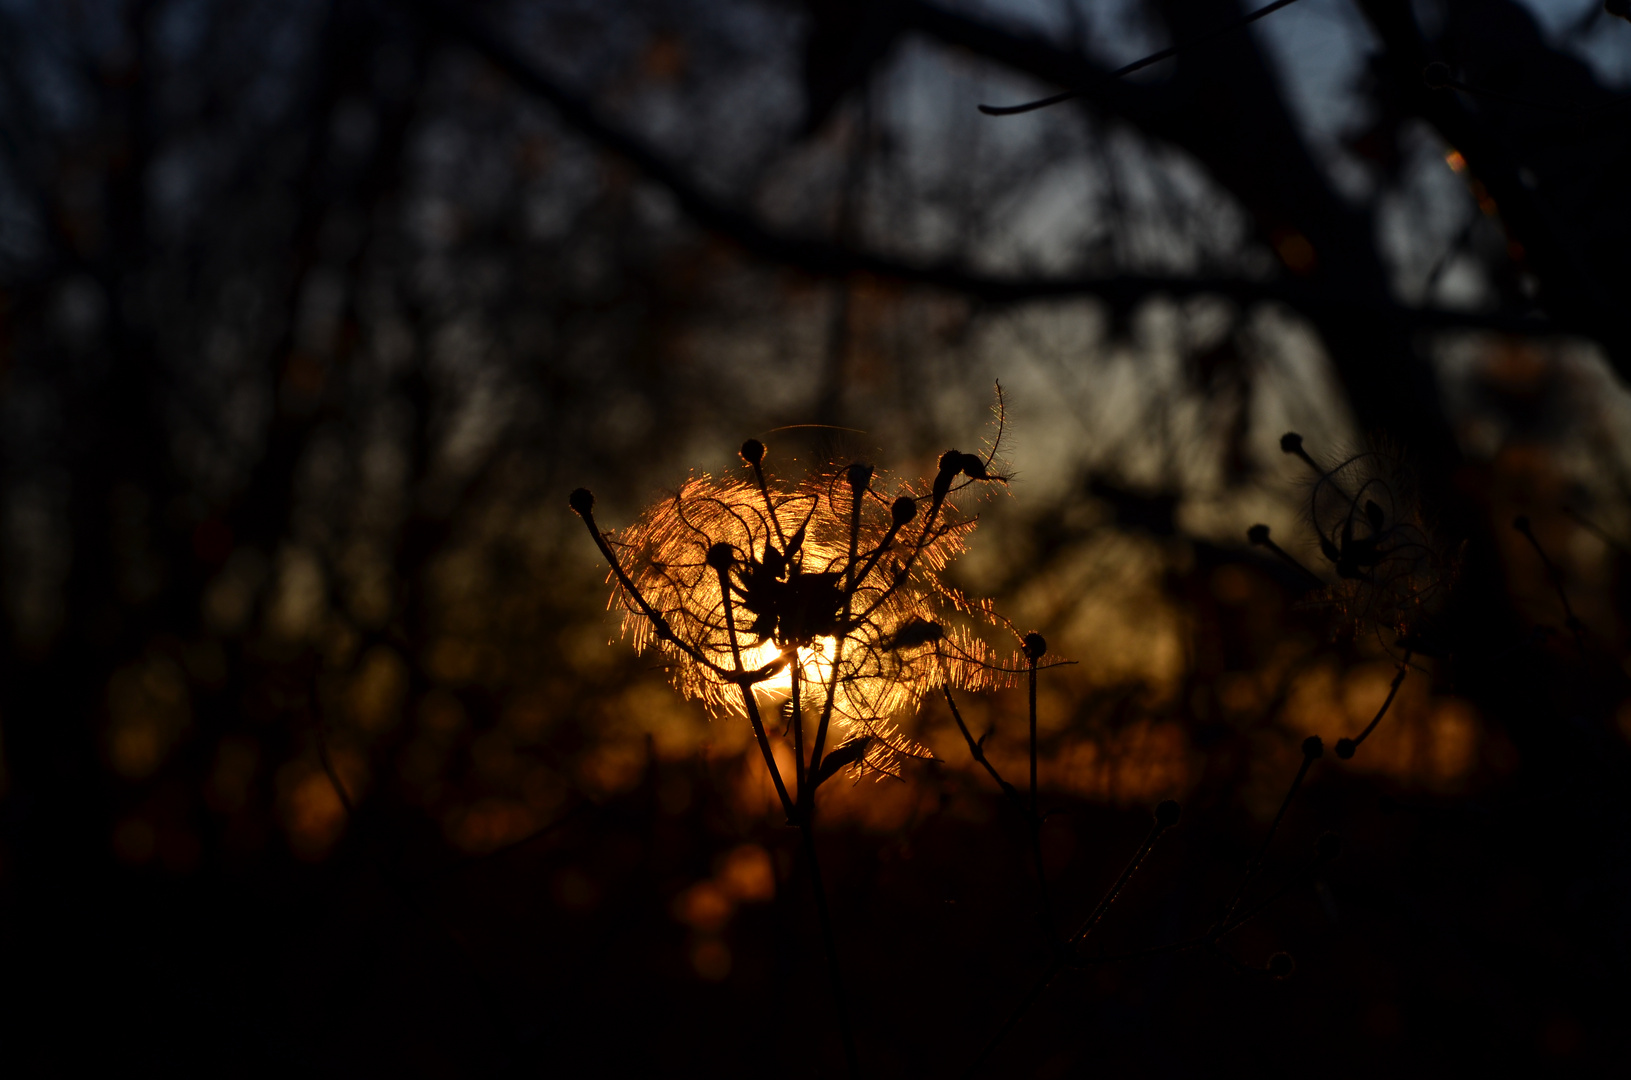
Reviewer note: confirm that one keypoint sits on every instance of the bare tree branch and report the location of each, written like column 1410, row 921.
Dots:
column 822, row 258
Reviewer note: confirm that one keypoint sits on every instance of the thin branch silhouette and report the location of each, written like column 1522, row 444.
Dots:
column 827, row 259
column 1554, row 574
column 1166, row 816
column 1141, row 64
column 1346, row 747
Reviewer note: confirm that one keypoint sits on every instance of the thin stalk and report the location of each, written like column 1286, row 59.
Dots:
column 1063, row 957
column 770, row 507
column 1033, row 737
column 1570, row 620
column 1312, row 751
column 1036, row 819
column 798, row 736
column 1033, row 823
column 1121, row 882
column 1346, row 747
column 878, row 552
column 1259, row 535
column 659, row 624
column 1273, row 897
column 1210, row 938
column 750, row 703
column 936, row 502
column 829, row 943
column 978, row 751
column 819, row 744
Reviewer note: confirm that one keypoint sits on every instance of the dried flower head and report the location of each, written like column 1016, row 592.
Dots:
column 1370, row 531
column 826, row 595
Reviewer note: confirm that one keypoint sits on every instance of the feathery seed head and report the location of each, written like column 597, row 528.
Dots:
column 841, row 595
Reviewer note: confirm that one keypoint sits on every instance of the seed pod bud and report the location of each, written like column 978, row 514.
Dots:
column 1281, row 965
column 917, row 632
column 1329, row 846
column 753, row 451
column 582, row 500
column 973, row 467
column 721, row 555
column 1436, row 75
column 1035, row 645
column 1290, row 442
column 1313, row 748
column 1258, row 534
column 859, row 476
column 1166, row 813
column 1618, row 8
column 902, row 510
column 951, row 463
column 1346, row 748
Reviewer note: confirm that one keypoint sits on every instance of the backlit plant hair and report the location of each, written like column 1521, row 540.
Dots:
column 833, row 584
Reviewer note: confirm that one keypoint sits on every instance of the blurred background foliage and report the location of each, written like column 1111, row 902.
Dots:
column 312, row 311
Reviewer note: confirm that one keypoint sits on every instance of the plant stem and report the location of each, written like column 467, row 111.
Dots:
column 978, row 752
column 829, row 941
column 1398, row 680
column 1032, row 822
column 1063, row 957
column 798, row 735
column 1313, row 749
column 750, row 704
column 1034, row 819
column 1555, row 575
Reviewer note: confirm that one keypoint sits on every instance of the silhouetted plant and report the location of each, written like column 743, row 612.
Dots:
column 1554, row 575
column 825, row 594
column 1389, row 575
column 1368, row 523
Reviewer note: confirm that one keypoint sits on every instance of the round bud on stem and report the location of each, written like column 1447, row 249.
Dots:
column 1035, row 646
column 917, row 632
column 1290, row 442
column 1328, row 846
column 859, row 476
column 973, row 467
column 753, row 451
column 1346, row 748
column 1436, row 75
column 1258, row 535
column 902, row 510
column 1313, row 748
column 1618, row 8
column 1166, row 813
column 951, row 463
column 1281, row 965
column 582, row 501
column 721, row 555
